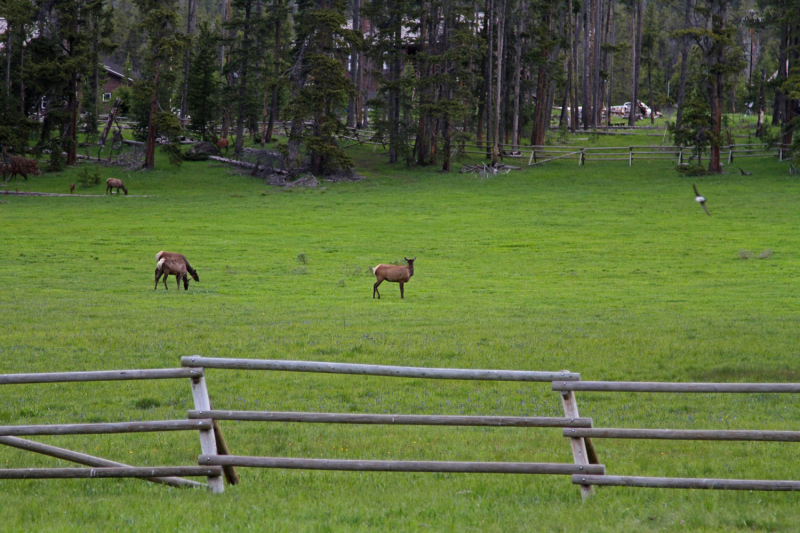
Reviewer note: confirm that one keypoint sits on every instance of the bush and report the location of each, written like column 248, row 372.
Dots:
column 87, row 179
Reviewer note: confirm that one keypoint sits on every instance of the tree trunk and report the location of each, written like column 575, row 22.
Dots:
column 587, row 35
column 273, row 113
column 637, row 59
column 760, row 124
column 150, row 147
column 611, row 64
column 244, row 43
column 684, row 65
column 573, row 117
column 517, row 80
column 72, row 156
column 501, row 18
column 352, row 102
column 190, row 23
column 490, row 78
column 780, row 98
column 8, row 58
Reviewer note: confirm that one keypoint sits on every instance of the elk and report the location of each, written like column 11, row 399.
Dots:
column 170, row 263
column 112, row 183
column 72, row 188
column 223, row 143
column 394, row 273
column 18, row 165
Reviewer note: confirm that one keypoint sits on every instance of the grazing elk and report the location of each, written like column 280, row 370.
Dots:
column 223, row 143
column 18, row 165
column 394, row 273
column 171, row 263
column 112, row 183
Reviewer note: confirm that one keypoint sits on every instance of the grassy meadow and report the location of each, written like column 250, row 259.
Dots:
column 610, row 271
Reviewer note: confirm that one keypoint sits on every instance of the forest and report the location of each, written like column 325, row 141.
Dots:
column 425, row 76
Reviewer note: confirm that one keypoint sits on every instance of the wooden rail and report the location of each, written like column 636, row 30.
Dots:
column 106, row 427
column 375, row 370
column 686, row 483
column 88, row 460
column 103, row 375
column 110, row 472
column 652, row 386
column 685, row 434
column 412, row 420
column 399, row 466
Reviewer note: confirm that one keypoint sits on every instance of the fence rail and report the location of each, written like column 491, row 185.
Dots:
column 654, row 386
column 685, row 434
column 409, row 420
column 375, row 370
column 109, row 472
column 400, row 466
column 686, row 483
column 103, row 375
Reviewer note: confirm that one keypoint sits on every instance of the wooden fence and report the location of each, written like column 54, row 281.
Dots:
column 216, row 460
column 569, row 388
column 583, row 454
column 103, row 468
column 538, row 155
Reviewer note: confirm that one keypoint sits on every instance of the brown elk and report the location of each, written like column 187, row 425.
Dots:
column 112, row 183
column 72, row 188
column 170, row 263
column 223, row 143
column 394, row 273
column 18, row 165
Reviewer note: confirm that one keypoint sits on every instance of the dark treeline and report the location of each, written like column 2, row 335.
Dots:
column 432, row 78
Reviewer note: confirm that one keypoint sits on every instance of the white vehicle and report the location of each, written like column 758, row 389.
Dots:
column 644, row 111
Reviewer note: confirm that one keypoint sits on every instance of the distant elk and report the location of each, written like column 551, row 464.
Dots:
column 223, row 143
column 174, row 264
column 112, row 183
column 394, row 273
column 18, row 165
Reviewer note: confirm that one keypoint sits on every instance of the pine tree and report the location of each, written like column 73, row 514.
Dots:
column 165, row 42
column 319, row 87
column 203, row 86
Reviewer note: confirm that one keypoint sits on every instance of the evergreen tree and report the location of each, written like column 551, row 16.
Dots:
column 319, row 87
column 165, row 42
column 204, row 83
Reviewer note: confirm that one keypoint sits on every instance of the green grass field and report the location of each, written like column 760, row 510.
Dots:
column 606, row 270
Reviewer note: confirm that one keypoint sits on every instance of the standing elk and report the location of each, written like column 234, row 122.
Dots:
column 112, row 183
column 223, row 143
column 170, row 263
column 17, row 165
column 394, row 273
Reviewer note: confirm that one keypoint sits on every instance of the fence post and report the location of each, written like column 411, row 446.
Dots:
column 730, row 155
column 680, row 155
column 630, row 157
column 582, row 159
column 208, row 441
column 579, row 445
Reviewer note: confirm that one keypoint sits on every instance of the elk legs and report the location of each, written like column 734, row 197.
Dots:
column 375, row 290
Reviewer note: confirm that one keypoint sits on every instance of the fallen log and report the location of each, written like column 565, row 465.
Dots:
column 243, row 164
column 31, row 193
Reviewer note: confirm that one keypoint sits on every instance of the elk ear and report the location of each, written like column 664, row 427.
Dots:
column 406, row 258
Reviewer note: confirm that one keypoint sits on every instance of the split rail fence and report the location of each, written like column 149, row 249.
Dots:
column 538, row 155
column 216, row 461
column 103, row 468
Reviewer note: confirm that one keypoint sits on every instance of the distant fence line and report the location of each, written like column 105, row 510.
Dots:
column 217, row 462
